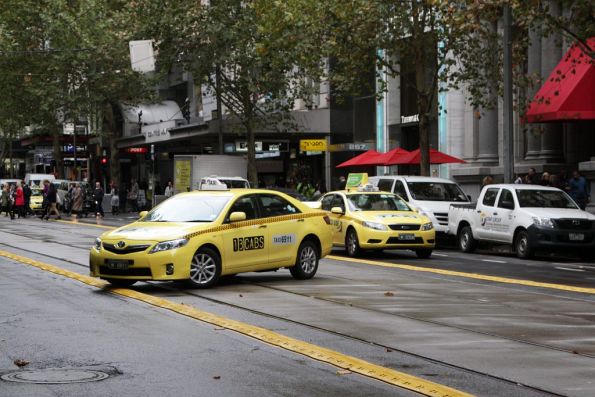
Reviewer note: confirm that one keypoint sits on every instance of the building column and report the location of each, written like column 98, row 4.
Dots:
column 551, row 54
column 534, row 71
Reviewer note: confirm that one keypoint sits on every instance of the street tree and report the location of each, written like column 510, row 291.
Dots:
column 234, row 49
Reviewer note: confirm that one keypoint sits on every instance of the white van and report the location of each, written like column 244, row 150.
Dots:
column 215, row 182
column 37, row 179
column 431, row 196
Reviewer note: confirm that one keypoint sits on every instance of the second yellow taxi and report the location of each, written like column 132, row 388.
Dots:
column 364, row 220
column 203, row 235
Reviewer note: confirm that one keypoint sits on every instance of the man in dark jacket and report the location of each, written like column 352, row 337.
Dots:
column 27, row 193
column 98, row 199
column 52, row 198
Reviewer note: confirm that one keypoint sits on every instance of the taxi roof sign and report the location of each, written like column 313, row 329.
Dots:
column 356, row 180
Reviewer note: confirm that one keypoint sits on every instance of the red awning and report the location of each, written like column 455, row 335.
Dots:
column 366, row 158
column 436, row 157
column 393, row 156
column 569, row 91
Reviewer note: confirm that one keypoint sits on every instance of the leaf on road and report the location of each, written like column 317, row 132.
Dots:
column 21, row 363
column 217, row 377
column 343, row 372
column 388, row 293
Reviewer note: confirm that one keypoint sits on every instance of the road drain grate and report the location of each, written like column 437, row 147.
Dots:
column 55, row 376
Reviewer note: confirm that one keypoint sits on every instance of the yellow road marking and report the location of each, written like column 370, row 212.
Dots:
column 315, row 352
column 475, row 276
column 86, row 224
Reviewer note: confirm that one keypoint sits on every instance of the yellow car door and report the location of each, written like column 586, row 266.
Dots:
column 285, row 232
column 245, row 242
column 338, row 222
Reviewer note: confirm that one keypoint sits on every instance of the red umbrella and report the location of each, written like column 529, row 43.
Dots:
column 392, row 157
column 436, row 157
column 366, row 158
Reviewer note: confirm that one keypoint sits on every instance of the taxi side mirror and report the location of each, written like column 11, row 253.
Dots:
column 237, row 217
column 142, row 214
column 337, row 210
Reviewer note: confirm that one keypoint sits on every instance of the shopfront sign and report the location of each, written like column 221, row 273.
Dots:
column 349, row 147
column 312, row 145
column 182, row 177
column 242, row 146
column 157, row 132
column 136, row 150
column 410, row 119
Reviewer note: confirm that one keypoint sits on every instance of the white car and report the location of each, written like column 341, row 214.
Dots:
column 431, row 196
column 214, row 182
column 529, row 217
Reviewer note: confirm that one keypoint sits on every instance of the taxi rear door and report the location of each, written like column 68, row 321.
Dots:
column 337, row 220
column 285, row 231
column 245, row 242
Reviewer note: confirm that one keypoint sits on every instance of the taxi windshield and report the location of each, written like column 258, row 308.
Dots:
column 544, row 199
column 188, row 209
column 436, row 191
column 36, row 192
column 376, row 202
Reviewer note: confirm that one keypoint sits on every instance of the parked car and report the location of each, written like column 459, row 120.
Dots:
column 529, row 217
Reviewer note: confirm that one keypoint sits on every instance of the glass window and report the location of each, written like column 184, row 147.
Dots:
column 400, row 190
column 489, row 197
column 377, row 202
column 245, row 204
column 276, row 206
column 327, row 202
column 436, row 191
column 506, row 195
column 544, row 199
column 385, row 185
column 188, row 209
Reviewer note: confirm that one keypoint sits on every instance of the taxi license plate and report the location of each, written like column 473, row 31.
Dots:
column 117, row 264
column 576, row 236
column 407, row 236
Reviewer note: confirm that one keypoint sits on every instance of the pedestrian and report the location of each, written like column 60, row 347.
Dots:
column 169, row 190
column 27, row 193
column 98, row 199
column 77, row 200
column 52, row 199
column 532, row 177
column 487, row 180
column 555, row 181
column 545, row 179
column 115, row 200
column 4, row 200
column 579, row 189
column 141, row 198
column 19, row 201
column 519, row 179
column 132, row 196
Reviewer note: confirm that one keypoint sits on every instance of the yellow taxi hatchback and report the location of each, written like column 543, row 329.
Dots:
column 364, row 220
column 203, row 235
column 36, row 202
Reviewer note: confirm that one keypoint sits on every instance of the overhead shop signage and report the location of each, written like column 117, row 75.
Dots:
column 157, row 132
column 410, row 119
column 136, row 150
column 259, row 146
column 312, row 145
column 349, row 147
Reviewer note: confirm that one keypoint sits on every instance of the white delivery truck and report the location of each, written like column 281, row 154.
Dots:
column 191, row 171
column 529, row 217
column 432, row 197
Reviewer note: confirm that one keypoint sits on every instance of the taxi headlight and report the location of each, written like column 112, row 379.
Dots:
column 169, row 245
column 97, row 245
column 427, row 226
column 375, row 225
column 543, row 222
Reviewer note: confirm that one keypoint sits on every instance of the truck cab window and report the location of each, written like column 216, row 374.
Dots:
column 489, row 197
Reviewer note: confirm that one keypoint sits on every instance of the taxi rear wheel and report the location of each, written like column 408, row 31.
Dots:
column 352, row 243
column 306, row 262
column 122, row 283
column 205, row 268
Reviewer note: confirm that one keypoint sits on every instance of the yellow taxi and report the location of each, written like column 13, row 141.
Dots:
column 363, row 220
column 36, row 202
column 202, row 235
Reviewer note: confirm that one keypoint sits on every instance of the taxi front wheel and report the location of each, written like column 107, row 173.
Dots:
column 306, row 262
column 205, row 268
column 352, row 243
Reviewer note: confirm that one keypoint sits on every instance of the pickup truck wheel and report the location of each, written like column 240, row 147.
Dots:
column 352, row 243
column 423, row 253
column 522, row 246
column 466, row 241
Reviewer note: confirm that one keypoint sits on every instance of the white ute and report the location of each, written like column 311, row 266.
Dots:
column 528, row 217
column 431, row 196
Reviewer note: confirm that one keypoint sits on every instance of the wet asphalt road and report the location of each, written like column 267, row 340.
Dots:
column 481, row 337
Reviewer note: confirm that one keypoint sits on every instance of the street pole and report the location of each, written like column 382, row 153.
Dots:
column 508, row 133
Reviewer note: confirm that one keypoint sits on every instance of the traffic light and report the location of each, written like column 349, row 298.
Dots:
column 104, row 161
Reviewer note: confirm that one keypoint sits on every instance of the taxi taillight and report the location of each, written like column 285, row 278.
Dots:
column 327, row 219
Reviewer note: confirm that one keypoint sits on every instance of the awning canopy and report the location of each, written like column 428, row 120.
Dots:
column 392, row 157
column 569, row 91
column 366, row 158
column 436, row 157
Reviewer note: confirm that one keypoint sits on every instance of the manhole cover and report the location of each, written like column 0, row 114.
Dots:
column 55, row 376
